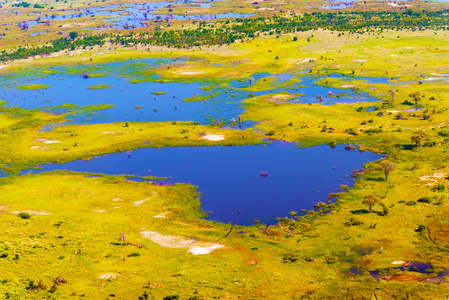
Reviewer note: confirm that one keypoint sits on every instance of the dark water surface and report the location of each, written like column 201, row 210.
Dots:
column 229, row 177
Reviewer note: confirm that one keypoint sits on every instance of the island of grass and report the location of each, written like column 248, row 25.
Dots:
column 100, row 87
column 36, row 86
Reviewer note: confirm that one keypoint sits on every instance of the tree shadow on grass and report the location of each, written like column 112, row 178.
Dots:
column 375, row 178
column 360, row 211
column 408, row 147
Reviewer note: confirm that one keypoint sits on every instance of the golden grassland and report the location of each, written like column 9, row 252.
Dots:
column 74, row 225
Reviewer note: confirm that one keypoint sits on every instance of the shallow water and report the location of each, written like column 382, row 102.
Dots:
column 116, row 15
column 229, row 177
column 223, row 103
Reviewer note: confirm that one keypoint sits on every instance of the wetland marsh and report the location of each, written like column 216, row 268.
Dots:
column 224, row 150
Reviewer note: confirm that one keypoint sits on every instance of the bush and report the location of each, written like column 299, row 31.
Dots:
column 439, row 187
column 24, row 215
column 134, row 254
column 289, row 258
column 420, row 228
column 384, row 208
column 353, row 222
column 171, row 297
column 410, row 203
column 425, row 200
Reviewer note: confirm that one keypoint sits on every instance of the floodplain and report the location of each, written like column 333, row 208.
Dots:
column 282, row 164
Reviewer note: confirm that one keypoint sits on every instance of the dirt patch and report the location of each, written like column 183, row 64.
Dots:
column 108, row 275
column 45, row 141
column 280, row 98
column 403, row 277
column 400, row 262
column 32, row 212
column 161, row 216
column 432, row 178
column 305, row 60
column 189, row 72
column 99, row 210
column 137, row 203
column 193, row 246
column 213, row 137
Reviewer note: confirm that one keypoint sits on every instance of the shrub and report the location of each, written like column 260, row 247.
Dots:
column 353, row 222
column 425, row 200
column 384, row 208
column 439, row 187
column 420, row 228
column 410, row 203
column 289, row 258
column 24, row 215
column 134, row 254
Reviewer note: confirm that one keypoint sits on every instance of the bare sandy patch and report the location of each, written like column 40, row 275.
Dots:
column 171, row 241
column 359, row 60
column 45, row 141
column 305, row 60
column 4, row 66
column 139, row 202
column 108, row 275
column 432, row 178
column 400, row 262
column 189, row 72
column 117, row 199
column 280, row 97
column 213, row 137
column 161, row 216
column 108, row 132
column 99, row 210
column 32, row 212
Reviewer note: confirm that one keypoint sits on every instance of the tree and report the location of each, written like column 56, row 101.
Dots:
column 371, row 200
column 392, row 92
column 416, row 96
column 73, row 35
column 417, row 137
column 387, row 166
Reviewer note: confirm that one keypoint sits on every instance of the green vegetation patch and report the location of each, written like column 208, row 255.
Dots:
column 33, row 86
column 100, row 87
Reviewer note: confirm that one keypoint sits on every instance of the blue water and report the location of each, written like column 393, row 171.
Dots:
column 229, row 177
column 223, row 102
column 139, row 13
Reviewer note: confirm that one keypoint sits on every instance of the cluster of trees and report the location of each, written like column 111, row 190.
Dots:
column 56, row 46
column 26, row 4
column 227, row 32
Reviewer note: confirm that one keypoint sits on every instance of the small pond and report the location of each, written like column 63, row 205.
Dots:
column 229, row 178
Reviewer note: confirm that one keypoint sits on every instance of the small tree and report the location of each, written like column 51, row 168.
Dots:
column 371, row 200
column 387, row 166
column 384, row 208
column 73, row 35
column 416, row 96
column 418, row 137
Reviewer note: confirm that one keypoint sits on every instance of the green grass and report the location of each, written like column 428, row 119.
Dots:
column 307, row 256
column 100, row 87
column 33, row 86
